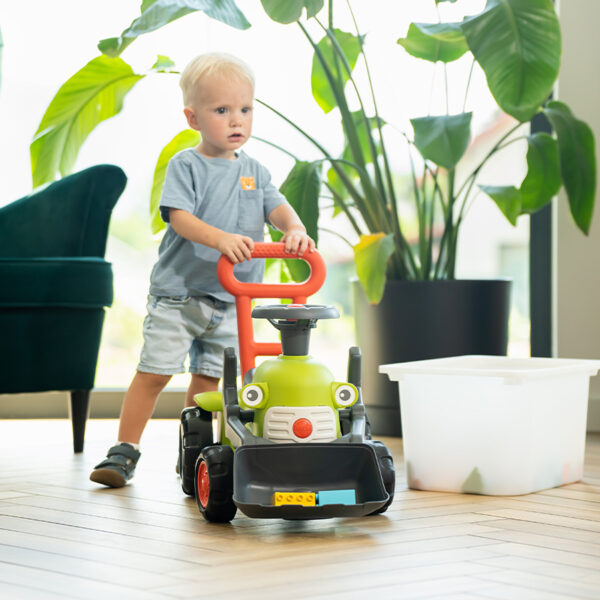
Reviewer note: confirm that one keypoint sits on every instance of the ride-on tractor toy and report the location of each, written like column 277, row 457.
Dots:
column 293, row 443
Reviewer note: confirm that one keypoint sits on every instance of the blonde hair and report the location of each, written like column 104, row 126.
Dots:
column 214, row 63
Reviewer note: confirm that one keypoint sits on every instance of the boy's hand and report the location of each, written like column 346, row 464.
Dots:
column 236, row 247
column 297, row 241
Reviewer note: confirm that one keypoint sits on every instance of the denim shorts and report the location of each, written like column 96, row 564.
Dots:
column 198, row 326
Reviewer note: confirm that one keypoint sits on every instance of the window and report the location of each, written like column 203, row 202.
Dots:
column 152, row 115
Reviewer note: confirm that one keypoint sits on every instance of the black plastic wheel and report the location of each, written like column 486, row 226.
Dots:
column 214, row 484
column 388, row 474
column 195, row 433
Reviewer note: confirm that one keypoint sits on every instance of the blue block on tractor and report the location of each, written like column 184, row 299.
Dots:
column 336, row 497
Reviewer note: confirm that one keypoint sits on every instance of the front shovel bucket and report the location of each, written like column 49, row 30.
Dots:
column 339, row 480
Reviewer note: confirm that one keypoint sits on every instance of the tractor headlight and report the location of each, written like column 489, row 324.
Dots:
column 344, row 394
column 254, row 395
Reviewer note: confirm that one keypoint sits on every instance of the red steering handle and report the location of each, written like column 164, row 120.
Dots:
column 273, row 290
column 244, row 292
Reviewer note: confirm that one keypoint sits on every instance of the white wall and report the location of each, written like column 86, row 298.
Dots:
column 577, row 265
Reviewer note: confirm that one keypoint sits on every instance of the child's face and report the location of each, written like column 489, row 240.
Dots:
column 222, row 113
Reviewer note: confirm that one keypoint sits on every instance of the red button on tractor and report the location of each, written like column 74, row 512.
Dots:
column 302, row 428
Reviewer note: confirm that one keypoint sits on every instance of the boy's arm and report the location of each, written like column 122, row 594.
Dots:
column 284, row 218
column 233, row 245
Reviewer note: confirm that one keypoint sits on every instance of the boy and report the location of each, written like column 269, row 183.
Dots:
column 215, row 201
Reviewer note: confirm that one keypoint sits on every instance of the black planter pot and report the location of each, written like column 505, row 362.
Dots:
column 418, row 320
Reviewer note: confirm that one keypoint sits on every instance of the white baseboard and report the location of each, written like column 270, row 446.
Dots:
column 106, row 404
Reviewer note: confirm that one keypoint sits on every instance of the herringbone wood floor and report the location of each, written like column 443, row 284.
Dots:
column 63, row 537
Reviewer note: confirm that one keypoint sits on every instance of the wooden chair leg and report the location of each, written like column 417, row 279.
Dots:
column 80, row 402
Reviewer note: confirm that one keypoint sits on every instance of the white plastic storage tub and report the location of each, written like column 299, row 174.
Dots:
column 492, row 424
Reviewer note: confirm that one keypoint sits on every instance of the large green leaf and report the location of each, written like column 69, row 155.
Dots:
column 542, row 181
column 188, row 138
column 288, row 11
column 158, row 13
column 93, row 94
column 321, row 88
column 371, row 256
column 518, row 45
column 163, row 64
column 540, row 185
column 442, row 140
column 301, row 189
column 507, row 198
column 577, row 155
column 146, row 5
column 435, row 41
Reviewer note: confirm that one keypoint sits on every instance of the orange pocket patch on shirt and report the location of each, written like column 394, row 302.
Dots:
column 248, row 183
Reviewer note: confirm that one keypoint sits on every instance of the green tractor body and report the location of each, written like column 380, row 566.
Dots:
column 292, row 443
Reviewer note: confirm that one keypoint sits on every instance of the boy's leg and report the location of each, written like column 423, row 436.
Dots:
column 199, row 384
column 206, row 353
column 138, row 405
column 167, row 339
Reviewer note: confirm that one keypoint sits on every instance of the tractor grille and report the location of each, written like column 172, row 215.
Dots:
column 279, row 422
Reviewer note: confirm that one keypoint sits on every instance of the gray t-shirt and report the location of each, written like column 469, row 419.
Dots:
column 236, row 196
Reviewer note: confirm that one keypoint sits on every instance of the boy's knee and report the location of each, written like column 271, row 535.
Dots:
column 207, row 378
column 202, row 383
column 154, row 380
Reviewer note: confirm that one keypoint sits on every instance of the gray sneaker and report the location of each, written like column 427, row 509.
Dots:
column 118, row 467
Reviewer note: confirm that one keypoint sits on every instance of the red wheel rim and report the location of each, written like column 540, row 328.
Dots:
column 203, row 484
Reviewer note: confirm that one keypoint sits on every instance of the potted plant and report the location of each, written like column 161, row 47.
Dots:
column 517, row 45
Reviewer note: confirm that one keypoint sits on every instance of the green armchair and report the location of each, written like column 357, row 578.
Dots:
column 55, row 286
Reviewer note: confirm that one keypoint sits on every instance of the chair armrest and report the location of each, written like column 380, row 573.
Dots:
column 76, row 282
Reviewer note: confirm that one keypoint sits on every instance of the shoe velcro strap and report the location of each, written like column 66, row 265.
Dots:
column 116, row 460
column 123, row 450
